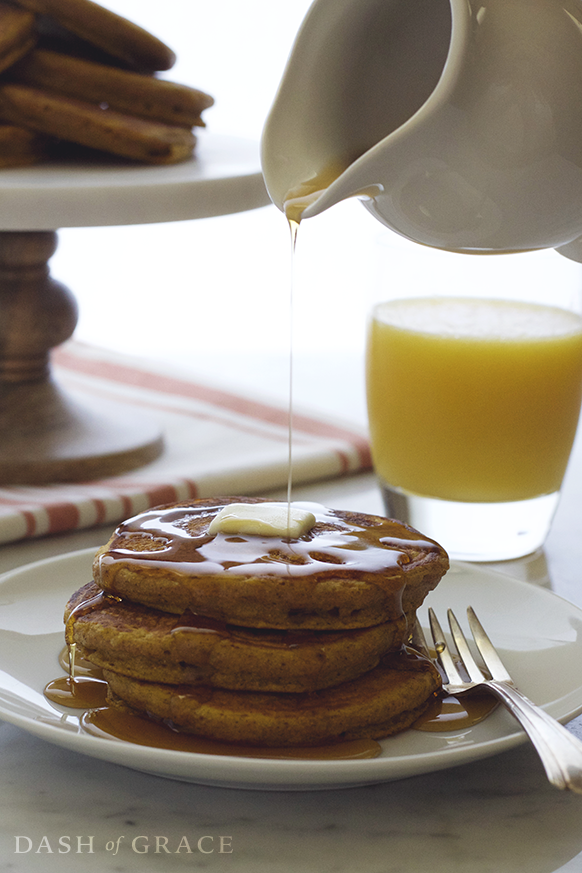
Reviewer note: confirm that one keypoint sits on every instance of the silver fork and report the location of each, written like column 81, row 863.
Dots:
column 559, row 750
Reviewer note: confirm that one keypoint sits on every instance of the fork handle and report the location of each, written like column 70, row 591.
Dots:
column 559, row 750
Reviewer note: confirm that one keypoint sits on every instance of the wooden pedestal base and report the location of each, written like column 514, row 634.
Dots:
column 46, row 434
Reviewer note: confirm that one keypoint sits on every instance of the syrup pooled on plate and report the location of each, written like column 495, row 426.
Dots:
column 77, row 692
column 73, row 690
column 111, row 722
column 448, row 713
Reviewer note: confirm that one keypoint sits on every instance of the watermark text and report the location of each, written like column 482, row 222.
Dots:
column 141, row 845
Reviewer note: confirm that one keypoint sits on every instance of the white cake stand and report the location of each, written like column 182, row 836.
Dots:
column 47, row 434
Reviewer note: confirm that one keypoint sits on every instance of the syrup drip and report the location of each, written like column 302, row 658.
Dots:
column 81, row 666
column 78, row 691
column 82, row 609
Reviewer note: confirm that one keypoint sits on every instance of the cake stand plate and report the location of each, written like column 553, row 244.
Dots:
column 46, row 434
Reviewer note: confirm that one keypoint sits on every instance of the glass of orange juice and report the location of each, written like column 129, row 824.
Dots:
column 473, row 404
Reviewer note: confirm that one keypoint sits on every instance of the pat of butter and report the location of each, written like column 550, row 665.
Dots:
column 266, row 519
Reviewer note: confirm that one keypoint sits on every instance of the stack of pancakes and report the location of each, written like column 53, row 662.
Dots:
column 262, row 640
column 72, row 71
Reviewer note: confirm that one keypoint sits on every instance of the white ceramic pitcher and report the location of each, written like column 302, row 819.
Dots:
column 458, row 121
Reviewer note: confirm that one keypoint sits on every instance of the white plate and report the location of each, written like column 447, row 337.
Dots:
column 536, row 632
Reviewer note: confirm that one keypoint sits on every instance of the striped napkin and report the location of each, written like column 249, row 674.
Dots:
column 216, row 442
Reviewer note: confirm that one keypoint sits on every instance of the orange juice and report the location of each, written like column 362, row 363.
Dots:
column 473, row 400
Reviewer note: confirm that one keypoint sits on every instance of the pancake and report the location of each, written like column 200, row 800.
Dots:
column 17, row 34
column 122, row 90
column 143, row 643
column 384, row 701
column 54, row 37
column 351, row 570
column 20, row 147
column 89, row 125
column 106, row 30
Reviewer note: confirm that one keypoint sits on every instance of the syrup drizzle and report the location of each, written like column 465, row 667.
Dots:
column 332, row 542
column 293, row 229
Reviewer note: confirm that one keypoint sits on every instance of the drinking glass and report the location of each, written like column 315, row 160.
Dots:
column 474, row 385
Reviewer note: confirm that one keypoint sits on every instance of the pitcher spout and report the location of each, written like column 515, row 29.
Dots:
column 459, row 120
column 325, row 189
column 359, row 70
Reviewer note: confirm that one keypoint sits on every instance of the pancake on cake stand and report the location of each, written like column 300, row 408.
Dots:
column 48, row 434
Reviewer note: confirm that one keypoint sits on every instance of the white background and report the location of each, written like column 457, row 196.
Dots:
column 214, row 294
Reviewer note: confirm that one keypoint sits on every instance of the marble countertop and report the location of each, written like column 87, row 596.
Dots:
column 500, row 815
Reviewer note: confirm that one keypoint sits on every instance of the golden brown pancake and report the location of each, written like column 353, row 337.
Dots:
column 108, row 31
column 54, row 37
column 351, row 570
column 20, row 147
column 382, row 702
column 127, row 92
column 84, row 123
column 147, row 644
column 17, row 34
